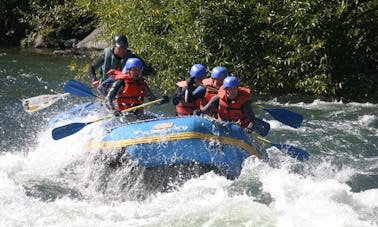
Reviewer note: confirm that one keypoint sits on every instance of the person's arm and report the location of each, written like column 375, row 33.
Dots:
column 102, row 88
column 211, row 105
column 116, row 87
column 93, row 67
column 177, row 96
column 194, row 93
column 248, row 112
column 150, row 95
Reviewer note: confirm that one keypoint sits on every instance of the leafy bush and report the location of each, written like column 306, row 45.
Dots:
column 57, row 20
column 11, row 30
column 324, row 48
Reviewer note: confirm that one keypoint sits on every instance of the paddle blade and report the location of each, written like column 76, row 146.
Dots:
column 77, row 88
column 67, row 130
column 40, row 102
column 287, row 117
column 261, row 127
column 292, row 151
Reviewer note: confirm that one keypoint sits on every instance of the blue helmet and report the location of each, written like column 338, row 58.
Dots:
column 198, row 71
column 230, row 81
column 219, row 72
column 132, row 62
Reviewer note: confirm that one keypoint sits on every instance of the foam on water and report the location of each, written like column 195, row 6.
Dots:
column 317, row 196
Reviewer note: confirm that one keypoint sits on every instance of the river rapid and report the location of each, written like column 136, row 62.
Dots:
column 59, row 183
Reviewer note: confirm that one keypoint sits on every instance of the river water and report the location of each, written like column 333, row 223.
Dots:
column 57, row 183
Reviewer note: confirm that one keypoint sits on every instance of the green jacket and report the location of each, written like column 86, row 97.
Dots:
column 113, row 62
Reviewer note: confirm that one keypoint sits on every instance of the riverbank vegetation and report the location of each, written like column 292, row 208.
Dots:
column 319, row 47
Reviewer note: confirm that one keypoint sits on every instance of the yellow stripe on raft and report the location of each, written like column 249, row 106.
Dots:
column 172, row 137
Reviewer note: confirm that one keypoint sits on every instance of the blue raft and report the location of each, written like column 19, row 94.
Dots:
column 176, row 140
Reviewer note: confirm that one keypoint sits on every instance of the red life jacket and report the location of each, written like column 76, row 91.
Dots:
column 210, row 93
column 183, row 108
column 208, row 82
column 133, row 92
column 233, row 112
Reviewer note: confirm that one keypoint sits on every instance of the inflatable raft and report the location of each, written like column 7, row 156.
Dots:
column 160, row 142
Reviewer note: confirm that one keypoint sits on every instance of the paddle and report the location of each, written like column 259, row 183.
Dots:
column 290, row 150
column 41, row 101
column 261, row 127
column 287, row 117
column 284, row 116
column 79, row 89
column 70, row 129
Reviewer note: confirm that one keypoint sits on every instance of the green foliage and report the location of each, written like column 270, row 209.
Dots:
column 165, row 33
column 274, row 47
column 351, row 36
column 11, row 30
column 57, row 20
column 325, row 48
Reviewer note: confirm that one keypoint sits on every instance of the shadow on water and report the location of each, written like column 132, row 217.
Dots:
column 48, row 190
column 251, row 186
column 119, row 178
column 362, row 182
column 104, row 176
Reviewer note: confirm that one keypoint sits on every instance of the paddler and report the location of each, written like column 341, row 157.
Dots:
column 113, row 58
column 182, row 98
column 128, row 89
column 232, row 104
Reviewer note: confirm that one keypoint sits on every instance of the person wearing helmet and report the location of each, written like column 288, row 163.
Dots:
column 128, row 89
column 232, row 104
column 112, row 58
column 212, row 85
column 218, row 74
column 183, row 99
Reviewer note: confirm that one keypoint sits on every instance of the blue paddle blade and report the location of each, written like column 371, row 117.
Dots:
column 292, row 151
column 261, row 127
column 287, row 117
column 67, row 130
column 77, row 88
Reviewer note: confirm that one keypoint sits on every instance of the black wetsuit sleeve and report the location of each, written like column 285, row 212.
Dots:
column 150, row 95
column 190, row 97
column 189, row 90
column 211, row 105
column 248, row 112
column 177, row 96
column 94, row 66
column 116, row 87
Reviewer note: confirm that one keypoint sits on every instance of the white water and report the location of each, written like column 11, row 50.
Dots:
column 281, row 193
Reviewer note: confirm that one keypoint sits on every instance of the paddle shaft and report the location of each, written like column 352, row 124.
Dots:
column 70, row 129
column 128, row 110
column 211, row 88
column 263, row 139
